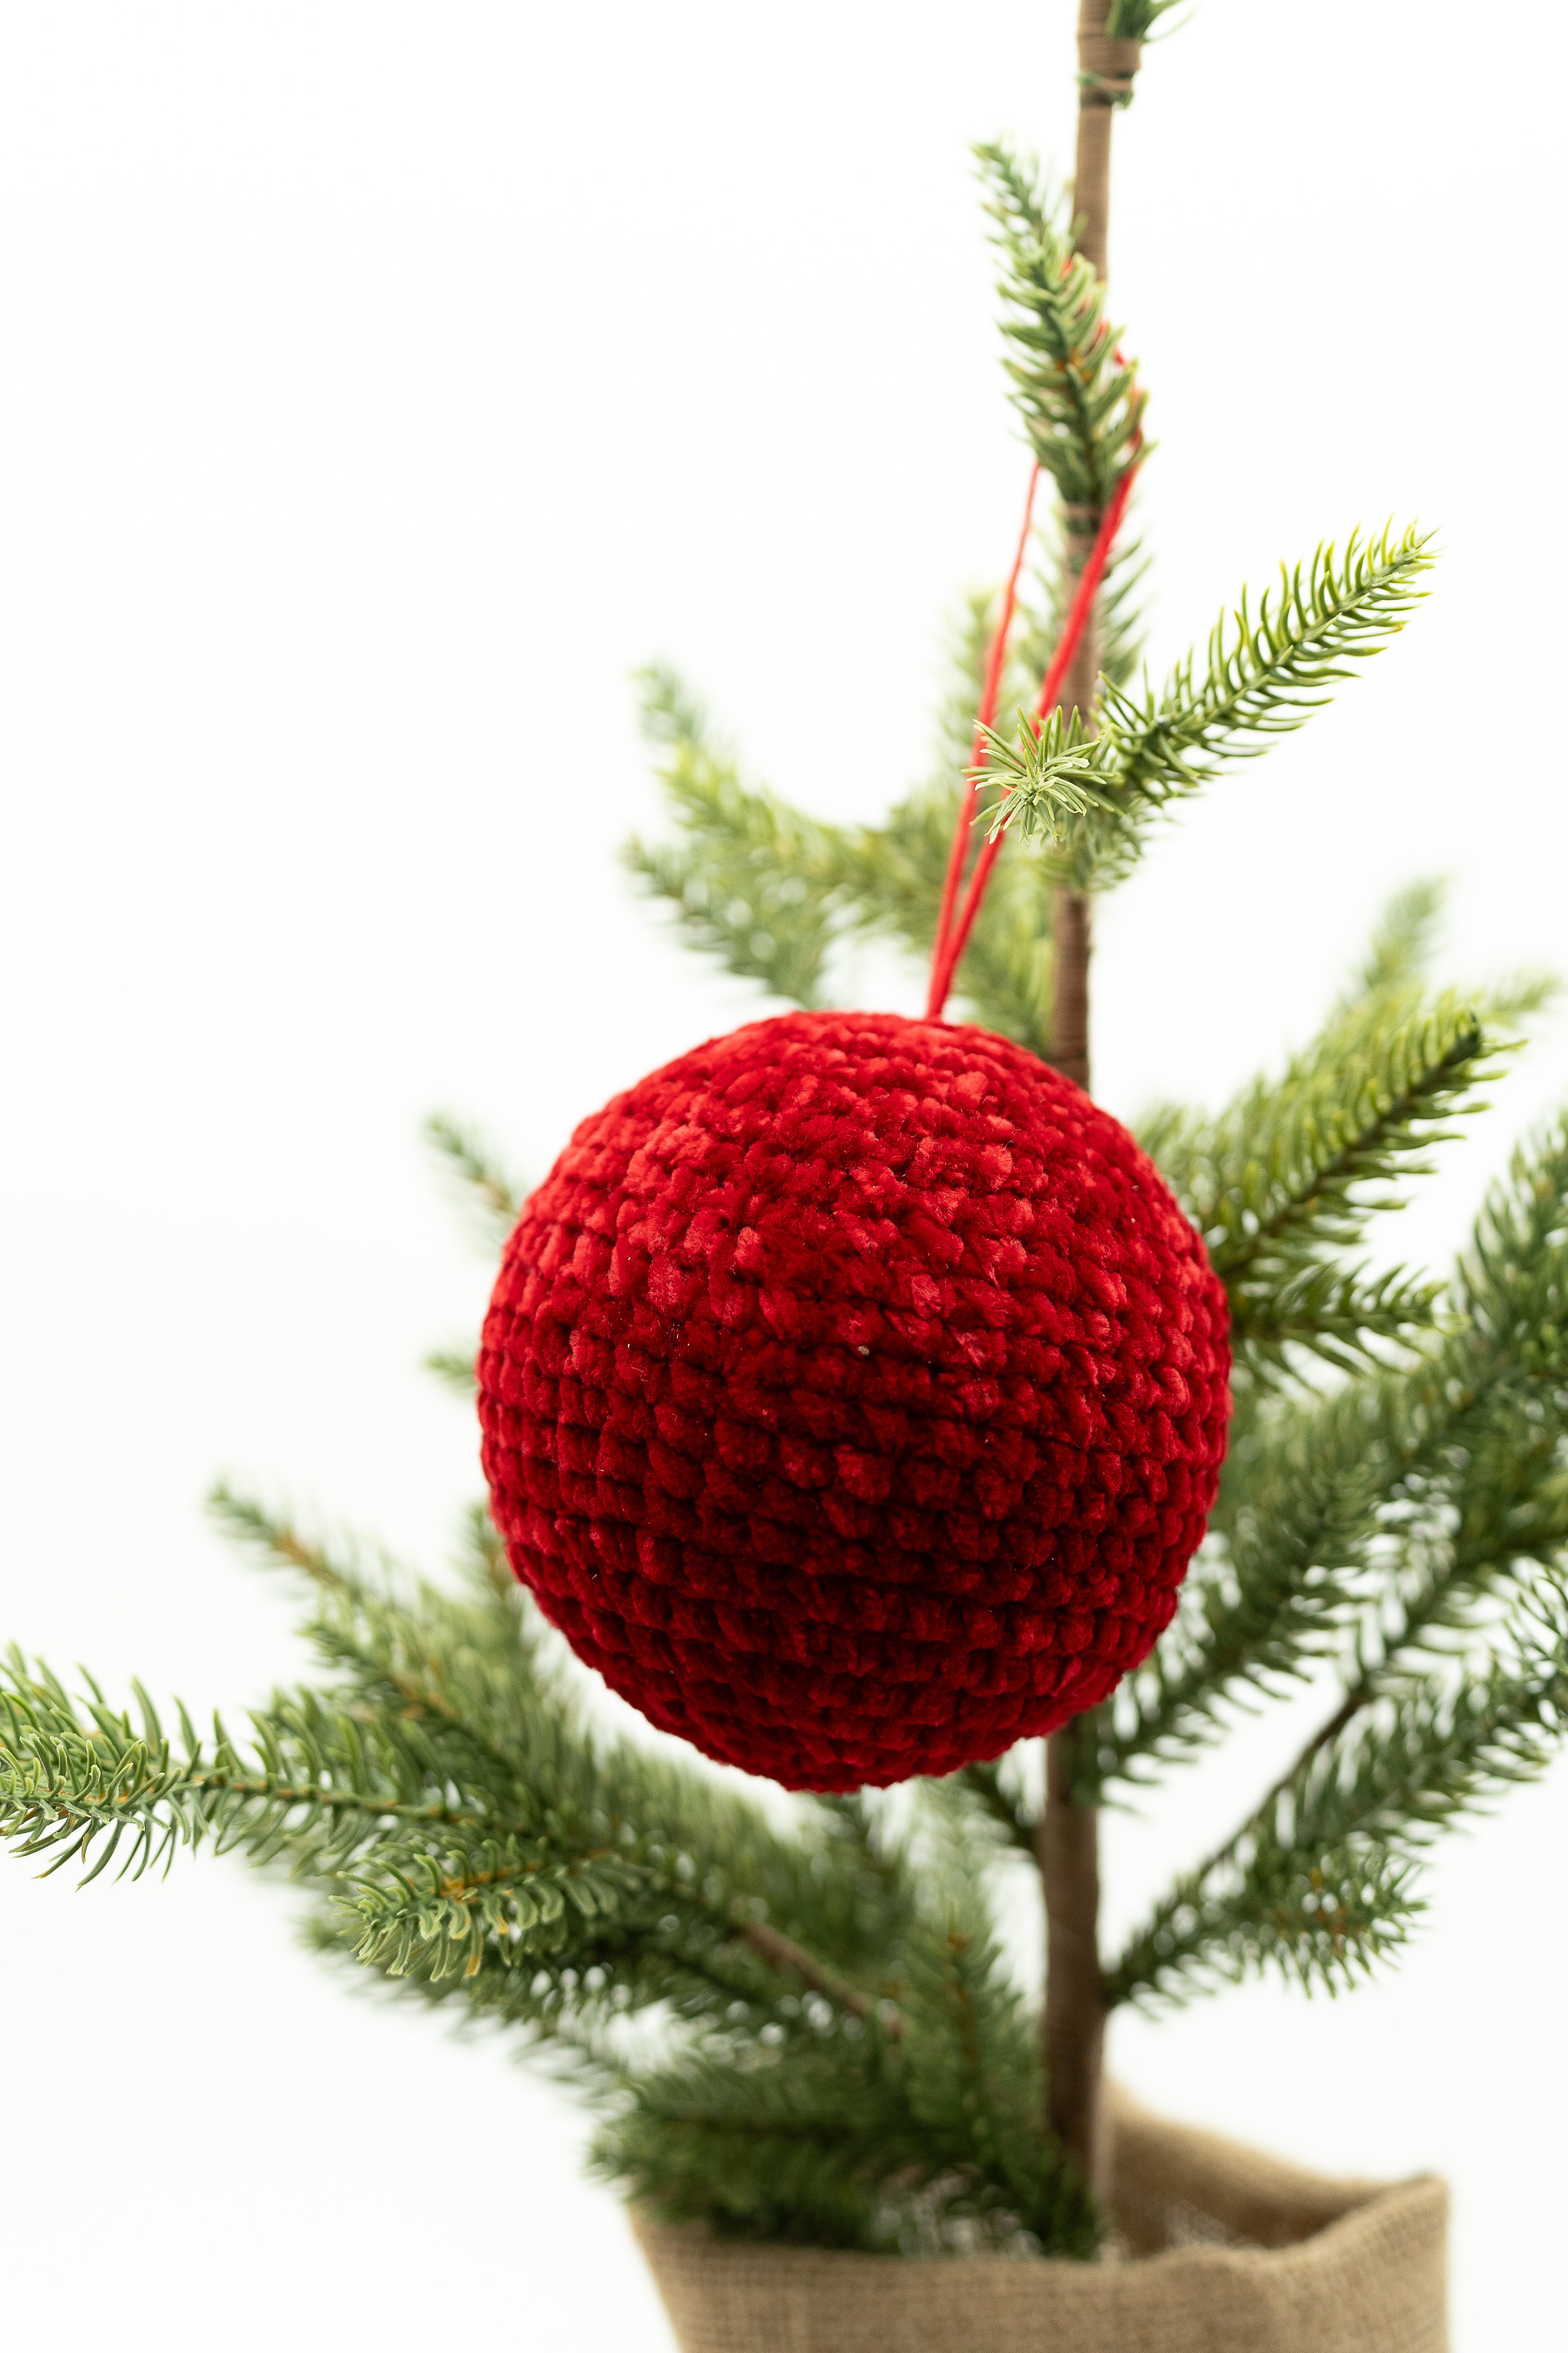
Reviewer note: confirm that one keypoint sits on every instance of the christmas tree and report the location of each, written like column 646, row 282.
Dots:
column 806, row 2028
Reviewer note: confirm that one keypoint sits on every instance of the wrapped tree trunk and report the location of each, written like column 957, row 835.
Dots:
column 1068, row 1841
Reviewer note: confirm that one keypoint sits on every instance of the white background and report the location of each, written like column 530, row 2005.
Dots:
column 377, row 385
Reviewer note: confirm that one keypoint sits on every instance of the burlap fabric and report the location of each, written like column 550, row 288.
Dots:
column 1232, row 2252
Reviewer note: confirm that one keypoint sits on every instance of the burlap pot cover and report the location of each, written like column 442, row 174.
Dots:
column 1233, row 2253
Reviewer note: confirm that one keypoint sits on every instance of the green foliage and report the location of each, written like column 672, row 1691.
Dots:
column 1321, row 1924
column 1318, row 1880
column 916, row 2130
column 1387, row 1522
column 1402, row 945
column 754, row 882
column 1376, row 1526
column 454, row 1368
column 492, row 1202
column 996, row 1791
column 1135, row 20
column 1266, row 672
column 1265, row 1606
column 1289, row 1176
column 1081, row 404
column 1284, row 1183
column 830, row 2049
column 1044, row 775
column 774, row 895
column 1004, row 977
column 491, row 1197
column 771, row 894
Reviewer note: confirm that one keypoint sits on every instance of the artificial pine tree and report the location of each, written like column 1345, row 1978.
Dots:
column 801, row 2026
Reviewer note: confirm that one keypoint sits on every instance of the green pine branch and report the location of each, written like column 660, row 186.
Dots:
column 1472, row 1444
column 1263, row 1608
column 455, row 1369
column 445, row 1757
column 317, row 1784
column 1043, row 775
column 1285, row 1181
column 493, row 1202
column 1400, row 952
column 820, row 883
column 1323, row 1919
column 971, row 2055
column 1382, row 1519
column 493, row 1197
column 1081, row 403
column 851, row 2063
column 1466, row 1451
column 993, row 1789
column 844, row 2132
column 1289, row 1176
column 1135, row 20
column 894, row 890
column 1267, row 669
column 1355, row 1812
column 423, row 1827
column 752, row 882
column 1335, row 1314
column 1512, row 1289
column 806, row 2146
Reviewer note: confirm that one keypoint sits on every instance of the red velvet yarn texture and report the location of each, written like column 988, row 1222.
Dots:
column 854, row 1393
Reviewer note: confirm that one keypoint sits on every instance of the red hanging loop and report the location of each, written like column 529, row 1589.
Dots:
column 991, row 687
column 952, row 939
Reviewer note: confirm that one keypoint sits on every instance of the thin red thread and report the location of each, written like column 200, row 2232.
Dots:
column 990, row 689
column 951, row 946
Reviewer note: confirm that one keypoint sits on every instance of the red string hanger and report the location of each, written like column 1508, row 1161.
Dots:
column 952, row 937
column 995, row 661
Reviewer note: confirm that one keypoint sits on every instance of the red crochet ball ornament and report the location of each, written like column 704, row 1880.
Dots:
column 854, row 1393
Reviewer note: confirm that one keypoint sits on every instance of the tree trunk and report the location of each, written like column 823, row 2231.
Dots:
column 1068, row 1841
column 1068, row 1853
column 1072, row 941
column 1106, row 69
column 1071, row 937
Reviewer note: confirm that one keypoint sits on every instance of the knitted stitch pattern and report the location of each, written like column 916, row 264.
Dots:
column 853, row 1395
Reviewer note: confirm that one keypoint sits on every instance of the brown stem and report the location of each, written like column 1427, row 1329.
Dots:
column 1072, row 941
column 1068, row 1847
column 1070, row 926
column 1106, row 69
column 1069, row 1851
